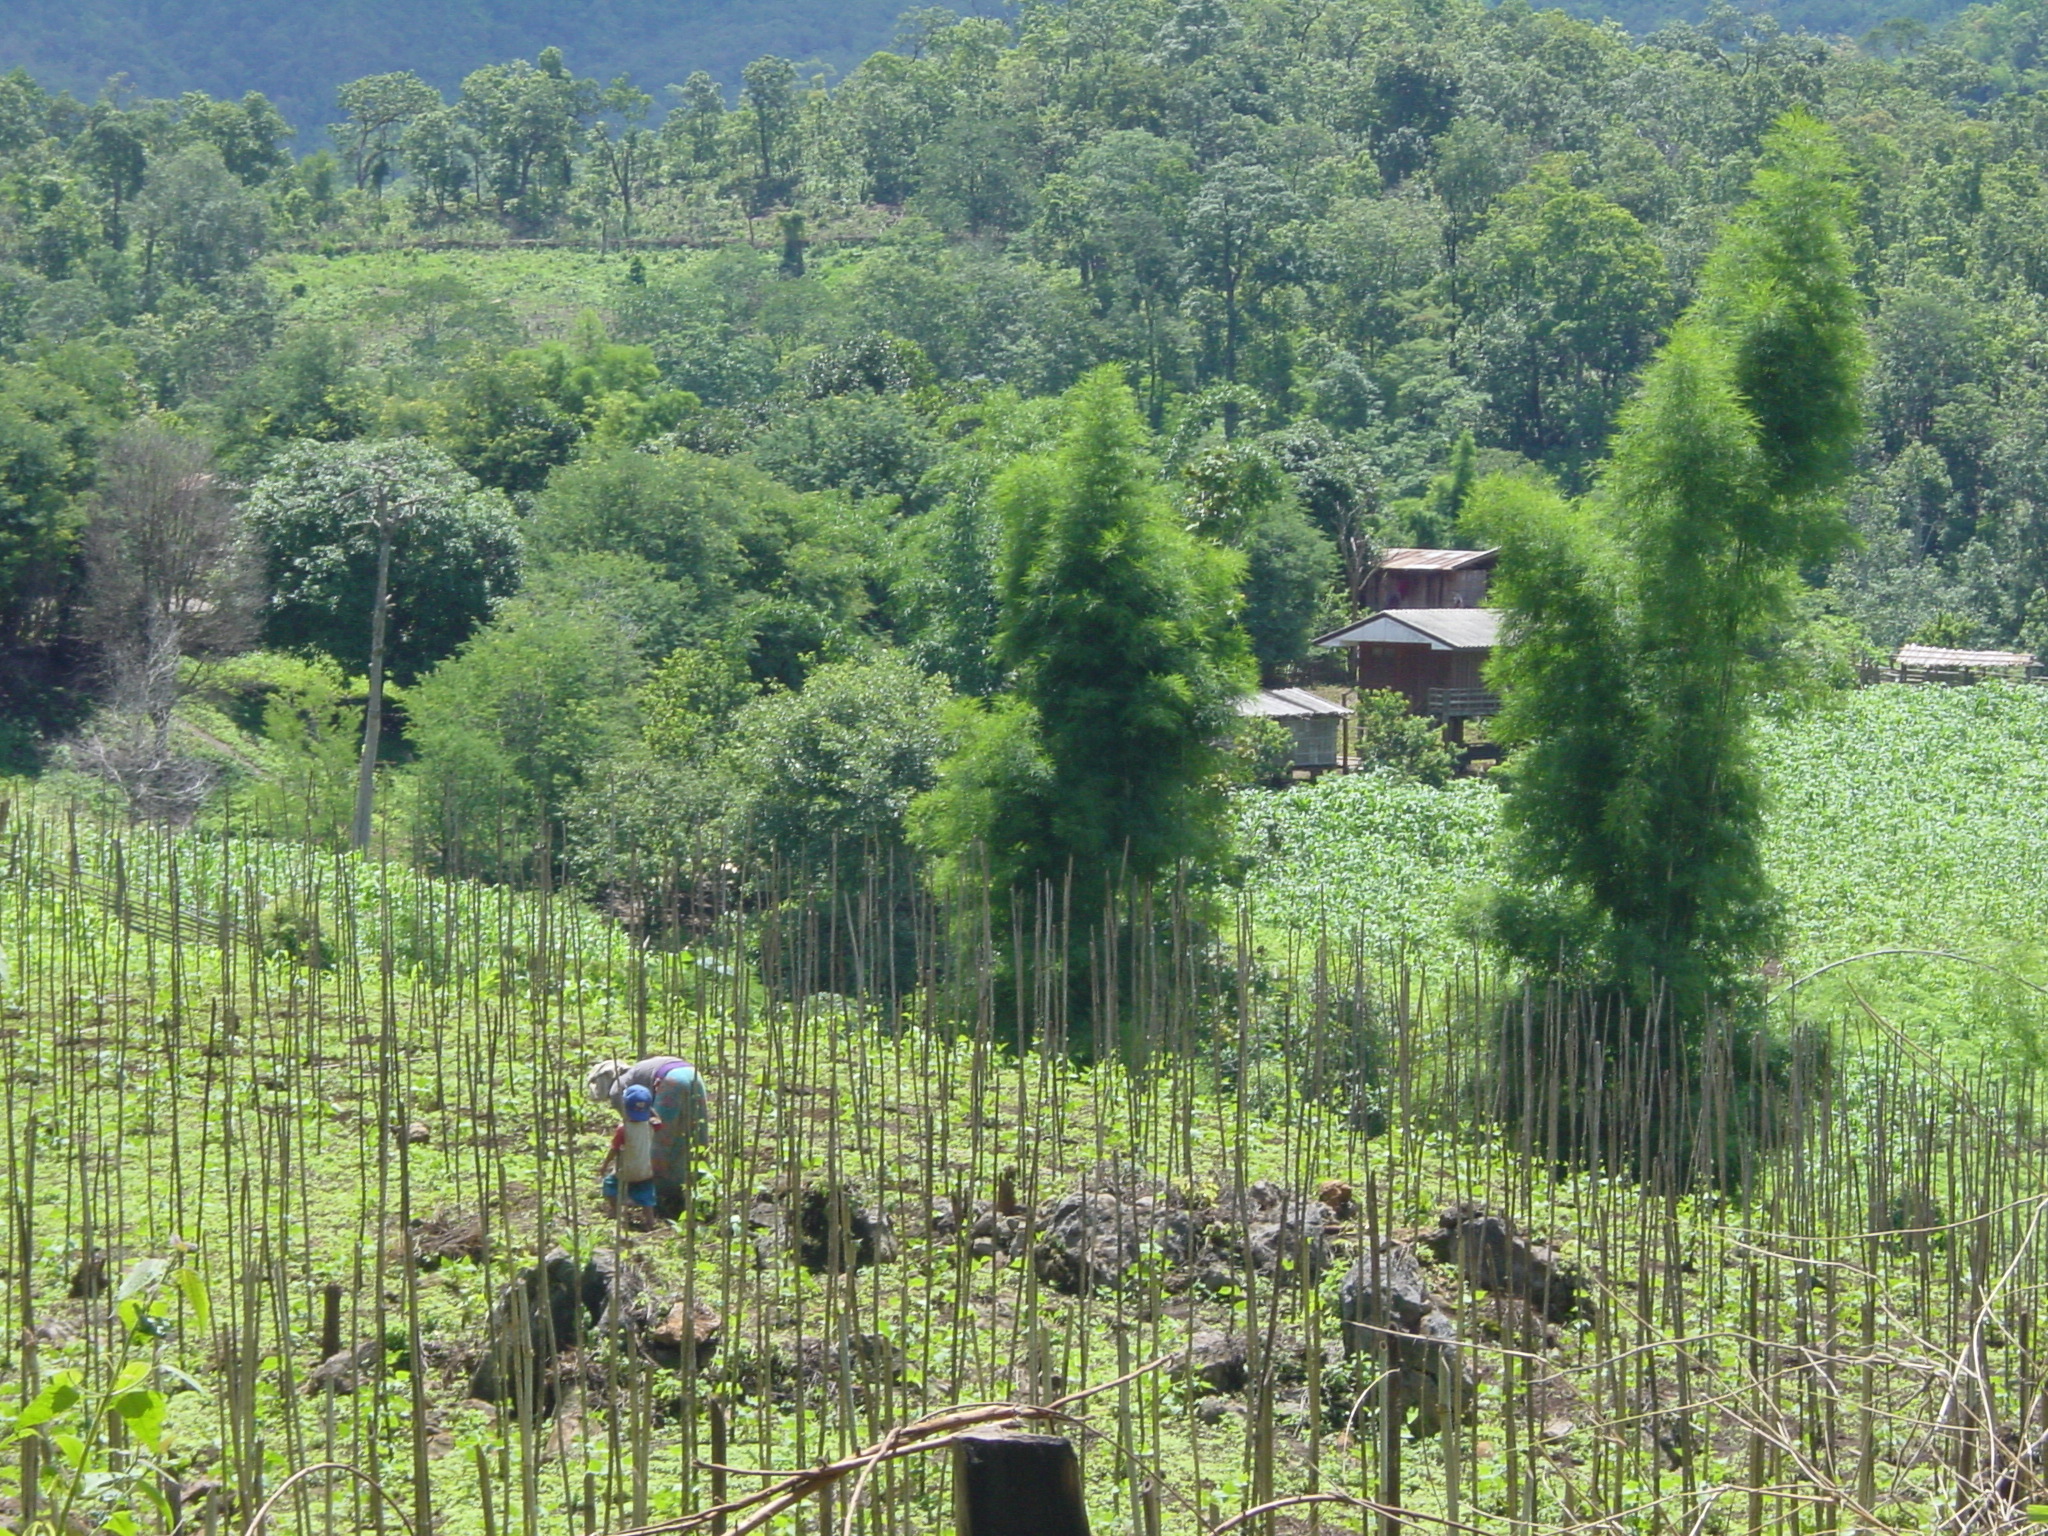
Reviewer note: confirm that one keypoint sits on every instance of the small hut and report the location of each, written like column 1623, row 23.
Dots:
column 1432, row 656
column 1428, row 578
column 1312, row 721
column 1943, row 664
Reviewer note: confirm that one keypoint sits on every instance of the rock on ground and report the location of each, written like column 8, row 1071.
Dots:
column 1091, row 1237
column 1283, row 1235
column 1492, row 1256
column 532, row 1321
column 1394, row 1295
column 824, row 1225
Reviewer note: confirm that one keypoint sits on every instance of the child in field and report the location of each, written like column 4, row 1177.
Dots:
column 629, row 1165
column 681, row 1113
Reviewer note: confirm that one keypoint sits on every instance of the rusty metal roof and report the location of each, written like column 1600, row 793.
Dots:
column 1287, row 704
column 1435, row 559
column 1441, row 629
column 1942, row 656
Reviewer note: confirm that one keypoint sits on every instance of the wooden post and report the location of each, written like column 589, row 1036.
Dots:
column 330, row 1320
column 717, row 1463
column 1017, row 1485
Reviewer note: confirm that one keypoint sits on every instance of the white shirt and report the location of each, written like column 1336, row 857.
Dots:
column 636, row 1152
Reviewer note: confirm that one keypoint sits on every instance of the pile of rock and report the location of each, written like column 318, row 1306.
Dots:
column 551, row 1308
column 1094, row 1235
column 1282, row 1235
column 1385, row 1301
column 989, row 1231
column 823, row 1225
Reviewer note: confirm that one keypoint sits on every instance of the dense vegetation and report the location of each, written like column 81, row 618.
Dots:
column 1323, row 253
column 299, row 56
column 765, row 573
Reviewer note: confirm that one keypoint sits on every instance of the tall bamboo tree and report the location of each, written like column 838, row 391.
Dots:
column 1639, row 620
column 1119, row 639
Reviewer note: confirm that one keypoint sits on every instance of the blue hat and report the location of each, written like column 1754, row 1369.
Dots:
column 638, row 1103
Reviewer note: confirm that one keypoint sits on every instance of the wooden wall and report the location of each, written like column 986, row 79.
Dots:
column 1415, row 669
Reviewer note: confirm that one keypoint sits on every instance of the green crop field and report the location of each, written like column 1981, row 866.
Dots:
column 1899, row 818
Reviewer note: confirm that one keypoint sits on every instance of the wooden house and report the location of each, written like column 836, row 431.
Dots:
column 1432, row 656
column 1428, row 578
column 1314, row 723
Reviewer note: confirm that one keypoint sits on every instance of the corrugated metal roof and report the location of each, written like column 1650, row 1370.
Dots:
column 1434, row 559
column 1441, row 629
column 1941, row 656
column 1287, row 704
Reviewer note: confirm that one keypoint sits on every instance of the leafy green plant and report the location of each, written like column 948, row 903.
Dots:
column 85, row 1470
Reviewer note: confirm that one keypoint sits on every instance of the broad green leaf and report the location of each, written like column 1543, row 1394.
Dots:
column 143, row 1413
column 143, row 1275
column 198, row 1301
column 59, row 1395
column 71, row 1449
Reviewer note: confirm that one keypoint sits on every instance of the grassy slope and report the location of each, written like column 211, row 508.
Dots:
column 424, row 309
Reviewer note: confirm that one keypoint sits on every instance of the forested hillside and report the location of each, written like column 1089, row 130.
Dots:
column 298, row 55
column 719, row 407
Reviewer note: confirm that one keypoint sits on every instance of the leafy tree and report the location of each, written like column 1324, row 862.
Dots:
column 500, row 420
column 890, row 108
column 380, row 554
column 248, row 134
column 768, row 99
column 1117, row 634
column 1413, row 101
column 509, row 728
column 624, row 154
column 868, row 446
column 114, row 149
column 527, row 119
column 1238, row 247
column 944, row 605
column 691, row 133
column 47, row 458
column 445, row 155
column 457, row 556
column 1239, row 496
column 309, row 388
column 511, row 419
column 972, row 176
column 1635, row 621
column 1429, row 521
column 833, row 767
column 1387, row 737
column 194, row 221
column 688, row 702
column 1568, row 293
column 752, row 564
column 380, row 109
